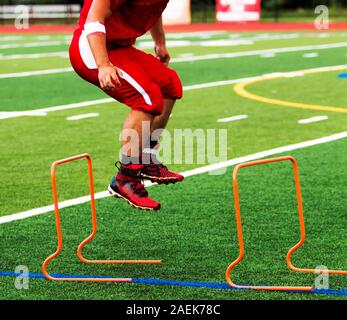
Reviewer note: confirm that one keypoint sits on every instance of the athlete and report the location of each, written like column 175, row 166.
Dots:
column 102, row 52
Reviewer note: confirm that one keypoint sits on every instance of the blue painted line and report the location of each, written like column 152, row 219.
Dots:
column 342, row 292
column 210, row 285
column 342, row 76
column 162, row 282
column 225, row 286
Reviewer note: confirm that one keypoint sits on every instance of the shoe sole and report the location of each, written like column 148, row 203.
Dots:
column 119, row 196
column 165, row 181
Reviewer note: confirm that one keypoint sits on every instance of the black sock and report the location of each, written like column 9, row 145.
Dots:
column 153, row 144
column 149, row 153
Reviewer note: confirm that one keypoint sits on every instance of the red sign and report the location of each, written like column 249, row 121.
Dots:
column 238, row 10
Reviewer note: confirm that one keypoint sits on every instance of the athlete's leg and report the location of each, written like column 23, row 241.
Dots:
column 161, row 121
column 126, row 183
column 171, row 89
column 167, row 80
column 136, row 135
column 145, row 100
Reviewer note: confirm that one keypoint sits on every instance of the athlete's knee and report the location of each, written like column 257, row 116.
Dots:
column 157, row 101
column 152, row 102
column 175, row 91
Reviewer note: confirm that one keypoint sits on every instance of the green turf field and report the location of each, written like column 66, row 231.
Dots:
column 195, row 230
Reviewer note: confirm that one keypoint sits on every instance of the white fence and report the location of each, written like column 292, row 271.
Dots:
column 41, row 11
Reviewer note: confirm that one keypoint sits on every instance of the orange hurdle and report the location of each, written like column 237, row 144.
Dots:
column 88, row 239
column 292, row 250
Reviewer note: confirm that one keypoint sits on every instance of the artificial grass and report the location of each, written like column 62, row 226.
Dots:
column 193, row 232
column 257, row 42
column 29, row 144
column 59, row 89
column 195, row 235
column 301, row 92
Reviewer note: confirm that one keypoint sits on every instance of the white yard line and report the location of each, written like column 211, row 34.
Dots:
column 261, row 52
column 234, row 118
column 313, row 119
column 197, row 171
column 82, row 116
column 34, row 73
column 184, row 35
column 269, row 36
column 144, row 40
column 189, row 43
column 205, row 57
column 33, row 44
column 8, row 115
column 186, row 55
column 11, row 38
column 62, row 54
column 33, row 37
column 34, row 113
column 311, row 55
column 230, row 41
column 267, row 55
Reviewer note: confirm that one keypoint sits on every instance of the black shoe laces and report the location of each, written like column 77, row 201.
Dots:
column 138, row 188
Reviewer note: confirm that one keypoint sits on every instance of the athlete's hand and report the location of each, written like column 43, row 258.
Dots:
column 109, row 77
column 162, row 54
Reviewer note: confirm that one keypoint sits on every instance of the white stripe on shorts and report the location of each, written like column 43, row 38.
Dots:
column 89, row 61
column 136, row 85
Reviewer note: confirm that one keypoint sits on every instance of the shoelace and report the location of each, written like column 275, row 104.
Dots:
column 138, row 188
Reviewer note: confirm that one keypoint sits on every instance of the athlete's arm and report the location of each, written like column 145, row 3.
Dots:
column 158, row 35
column 100, row 11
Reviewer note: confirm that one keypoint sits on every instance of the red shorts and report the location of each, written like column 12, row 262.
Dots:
column 145, row 80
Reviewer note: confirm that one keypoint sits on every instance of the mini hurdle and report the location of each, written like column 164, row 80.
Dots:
column 292, row 250
column 88, row 239
column 81, row 278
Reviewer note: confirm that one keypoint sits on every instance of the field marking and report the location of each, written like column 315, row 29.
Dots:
column 189, row 43
column 171, row 41
column 184, row 35
column 34, row 73
column 82, row 116
column 168, row 282
column 186, row 55
column 197, row 171
column 261, row 52
column 14, row 114
column 234, row 118
column 61, row 54
column 267, row 55
column 174, row 40
column 313, row 119
column 208, row 35
column 9, row 115
column 241, row 90
column 311, row 55
column 33, row 44
column 204, row 57
column 11, row 38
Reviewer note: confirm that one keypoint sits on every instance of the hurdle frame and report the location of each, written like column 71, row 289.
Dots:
column 291, row 250
column 89, row 238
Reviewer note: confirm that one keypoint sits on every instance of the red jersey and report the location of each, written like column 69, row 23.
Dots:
column 130, row 19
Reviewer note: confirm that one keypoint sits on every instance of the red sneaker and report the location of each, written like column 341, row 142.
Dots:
column 128, row 186
column 160, row 174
